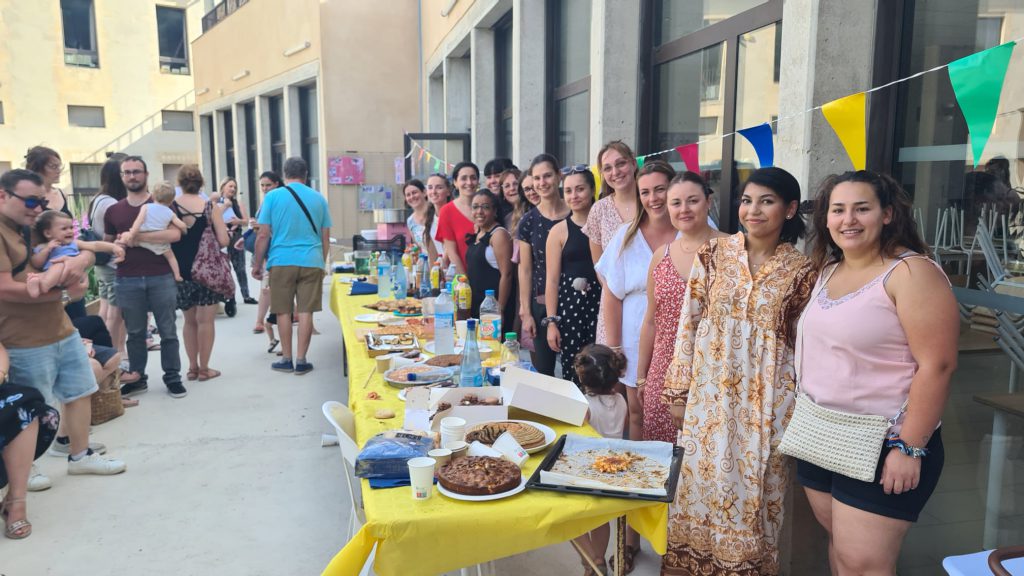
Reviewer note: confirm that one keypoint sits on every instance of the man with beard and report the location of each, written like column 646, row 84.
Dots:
column 145, row 284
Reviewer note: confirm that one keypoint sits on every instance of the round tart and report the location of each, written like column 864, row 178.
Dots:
column 479, row 476
column 527, row 436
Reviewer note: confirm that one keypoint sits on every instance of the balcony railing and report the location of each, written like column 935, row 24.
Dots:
column 220, row 12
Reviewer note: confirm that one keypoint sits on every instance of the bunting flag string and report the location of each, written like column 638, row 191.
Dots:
column 760, row 137
column 688, row 152
column 982, row 73
column 847, row 116
column 440, row 164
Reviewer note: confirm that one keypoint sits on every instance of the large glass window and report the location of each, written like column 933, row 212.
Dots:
column 714, row 68
column 569, row 135
column 310, row 133
column 177, row 120
column 252, row 178
column 677, row 18
column 79, row 21
column 757, row 92
column 276, row 106
column 173, row 40
column 229, row 142
column 503, row 86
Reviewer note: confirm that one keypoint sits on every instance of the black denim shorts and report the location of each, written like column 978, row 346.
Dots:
column 870, row 496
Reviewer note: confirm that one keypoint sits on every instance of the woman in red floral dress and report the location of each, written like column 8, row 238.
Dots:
column 688, row 206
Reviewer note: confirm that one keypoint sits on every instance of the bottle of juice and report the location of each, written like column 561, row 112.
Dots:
column 509, row 351
column 435, row 276
column 490, row 319
column 463, row 298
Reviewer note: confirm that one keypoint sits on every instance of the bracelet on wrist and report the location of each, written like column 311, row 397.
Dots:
column 894, row 441
column 641, row 382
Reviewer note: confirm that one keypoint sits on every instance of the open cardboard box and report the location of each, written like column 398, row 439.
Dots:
column 471, row 414
column 544, row 395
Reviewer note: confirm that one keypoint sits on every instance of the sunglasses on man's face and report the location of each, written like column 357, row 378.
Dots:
column 31, row 202
column 570, row 170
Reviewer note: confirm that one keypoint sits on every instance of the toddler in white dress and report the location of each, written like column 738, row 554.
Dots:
column 155, row 217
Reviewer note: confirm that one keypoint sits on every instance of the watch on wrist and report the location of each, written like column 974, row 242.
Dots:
column 550, row 320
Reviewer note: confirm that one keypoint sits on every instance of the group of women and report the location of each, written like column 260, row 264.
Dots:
column 714, row 326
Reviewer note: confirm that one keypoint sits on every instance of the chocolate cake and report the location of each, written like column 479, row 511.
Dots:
column 479, row 476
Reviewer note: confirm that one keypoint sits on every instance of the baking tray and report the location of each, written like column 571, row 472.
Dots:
column 556, row 449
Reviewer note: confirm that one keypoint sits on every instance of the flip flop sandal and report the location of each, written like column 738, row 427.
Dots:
column 153, row 346
column 258, row 330
column 208, row 374
column 273, row 345
column 192, row 374
column 130, row 377
column 129, row 402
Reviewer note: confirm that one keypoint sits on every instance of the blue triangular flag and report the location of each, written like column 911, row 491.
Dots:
column 760, row 137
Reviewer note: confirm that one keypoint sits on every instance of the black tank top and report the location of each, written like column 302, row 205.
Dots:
column 185, row 250
column 577, row 261
column 482, row 276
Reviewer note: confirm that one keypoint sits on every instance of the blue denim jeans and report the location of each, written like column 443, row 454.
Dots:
column 61, row 370
column 137, row 296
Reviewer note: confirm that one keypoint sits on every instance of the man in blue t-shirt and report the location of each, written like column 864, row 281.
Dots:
column 296, row 226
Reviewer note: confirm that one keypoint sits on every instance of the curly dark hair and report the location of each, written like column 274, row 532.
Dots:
column 599, row 368
column 901, row 233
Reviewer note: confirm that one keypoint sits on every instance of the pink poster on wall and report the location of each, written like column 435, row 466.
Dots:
column 345, row 170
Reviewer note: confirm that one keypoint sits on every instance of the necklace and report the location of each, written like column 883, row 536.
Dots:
column 702, row 242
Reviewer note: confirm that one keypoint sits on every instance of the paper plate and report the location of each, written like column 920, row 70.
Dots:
column 549, row 434
column 429, row 348
column 373, row 318
column 468, row 498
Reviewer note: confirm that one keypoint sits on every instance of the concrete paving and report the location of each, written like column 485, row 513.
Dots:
column 230, row 480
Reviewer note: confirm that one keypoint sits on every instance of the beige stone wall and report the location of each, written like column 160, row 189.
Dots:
column 369, row 79
column 250, row 44
column 436, row 27
column 36, row 86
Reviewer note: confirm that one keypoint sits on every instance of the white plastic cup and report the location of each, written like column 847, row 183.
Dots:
column 442, row 456
column 511, row 450
column 479, row 449
column 458, row 448
column 453, row 429
column 421, row 477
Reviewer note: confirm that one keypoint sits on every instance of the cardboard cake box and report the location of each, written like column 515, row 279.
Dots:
column 544, row 395
column 471, row 414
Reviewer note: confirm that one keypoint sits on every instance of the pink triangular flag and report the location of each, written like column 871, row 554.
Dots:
column 688, row 152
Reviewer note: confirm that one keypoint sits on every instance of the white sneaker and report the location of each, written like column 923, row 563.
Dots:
column 93, row 463
column 37, row 481
column 63, row 450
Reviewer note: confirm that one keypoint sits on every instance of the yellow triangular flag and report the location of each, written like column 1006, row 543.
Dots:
column 847, row 117
column 596, row 171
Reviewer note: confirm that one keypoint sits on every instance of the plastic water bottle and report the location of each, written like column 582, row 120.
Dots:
column 444, row 323
column 399, row 281
column 490, row 318
column 424, row 292
column 471, row 372
column 384, row 283
column 509, row 351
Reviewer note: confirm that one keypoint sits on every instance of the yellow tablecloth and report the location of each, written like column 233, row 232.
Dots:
column 436, row 535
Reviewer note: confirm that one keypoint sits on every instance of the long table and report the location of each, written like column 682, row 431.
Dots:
column 433, row 536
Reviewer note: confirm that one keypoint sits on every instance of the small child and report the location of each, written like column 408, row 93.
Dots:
column 58, row 229
column 156, row 217
column 599, row 368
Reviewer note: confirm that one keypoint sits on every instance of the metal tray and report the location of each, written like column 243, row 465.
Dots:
column 556, row 449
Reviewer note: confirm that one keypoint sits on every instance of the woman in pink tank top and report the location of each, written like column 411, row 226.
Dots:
column 880, row 331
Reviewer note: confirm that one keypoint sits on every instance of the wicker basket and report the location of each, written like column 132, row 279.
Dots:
column 106, row 402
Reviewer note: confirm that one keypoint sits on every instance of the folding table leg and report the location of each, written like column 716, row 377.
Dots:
column 620, row 546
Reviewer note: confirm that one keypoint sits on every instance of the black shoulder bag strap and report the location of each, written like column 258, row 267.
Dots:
column 26, row 233
column 304, row 209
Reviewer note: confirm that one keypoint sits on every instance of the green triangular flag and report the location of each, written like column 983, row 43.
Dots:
column 977, row 82
column 640, row 161
column 437, row 165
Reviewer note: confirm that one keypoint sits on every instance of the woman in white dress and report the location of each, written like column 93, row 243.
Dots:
column 623, row 267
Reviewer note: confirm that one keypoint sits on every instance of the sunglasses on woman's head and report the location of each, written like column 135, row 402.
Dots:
column 570, row 170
